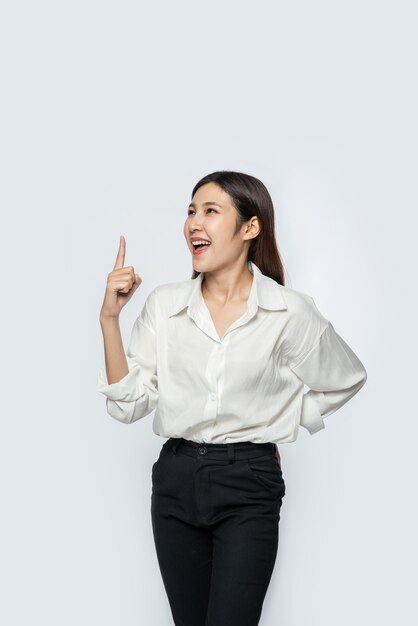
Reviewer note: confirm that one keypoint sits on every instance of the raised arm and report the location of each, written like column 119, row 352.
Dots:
column 122, row 283
column 129, row 381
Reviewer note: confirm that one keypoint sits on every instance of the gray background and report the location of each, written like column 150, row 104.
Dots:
column 110, row 113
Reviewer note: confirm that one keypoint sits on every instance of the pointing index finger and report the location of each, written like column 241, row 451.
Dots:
column 120, row 259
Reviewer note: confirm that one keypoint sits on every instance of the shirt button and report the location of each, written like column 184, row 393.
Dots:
column 213, row 396
column 202, row 450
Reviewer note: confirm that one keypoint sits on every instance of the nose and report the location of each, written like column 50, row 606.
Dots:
column 194, row 219
column 195, row 224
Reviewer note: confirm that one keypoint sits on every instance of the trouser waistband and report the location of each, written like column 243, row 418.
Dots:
column 220, row 451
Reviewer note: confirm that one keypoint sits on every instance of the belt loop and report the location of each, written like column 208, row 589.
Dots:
column 175, row 444
column 231, row 452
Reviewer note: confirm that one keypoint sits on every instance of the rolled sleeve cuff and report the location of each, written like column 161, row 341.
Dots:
column 311, row 417
column 128, row 389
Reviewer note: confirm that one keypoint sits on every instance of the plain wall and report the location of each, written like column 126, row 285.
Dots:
column 111, row 112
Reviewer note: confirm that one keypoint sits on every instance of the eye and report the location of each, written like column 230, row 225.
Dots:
column 190, row 211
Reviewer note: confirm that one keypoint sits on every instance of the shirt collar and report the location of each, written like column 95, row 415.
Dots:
column 265, row 293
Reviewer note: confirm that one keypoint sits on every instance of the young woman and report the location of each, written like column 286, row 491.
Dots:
column 223, row 357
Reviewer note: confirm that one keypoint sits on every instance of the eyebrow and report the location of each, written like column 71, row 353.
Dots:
column 194, row 206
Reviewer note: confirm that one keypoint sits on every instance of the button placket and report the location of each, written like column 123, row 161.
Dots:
column 220, row 371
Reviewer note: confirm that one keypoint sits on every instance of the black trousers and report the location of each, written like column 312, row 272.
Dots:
column 215, row 511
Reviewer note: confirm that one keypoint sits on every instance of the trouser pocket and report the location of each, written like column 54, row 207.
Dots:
column 267, row 471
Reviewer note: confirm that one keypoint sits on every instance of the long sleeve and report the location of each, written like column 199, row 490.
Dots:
column 334, row 374
column 136, row 395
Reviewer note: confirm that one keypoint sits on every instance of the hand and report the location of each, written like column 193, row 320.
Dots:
column 121, row 285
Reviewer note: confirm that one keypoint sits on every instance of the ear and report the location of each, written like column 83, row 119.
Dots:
column 252, row 227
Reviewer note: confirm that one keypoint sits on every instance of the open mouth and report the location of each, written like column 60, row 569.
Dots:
column 200, row 247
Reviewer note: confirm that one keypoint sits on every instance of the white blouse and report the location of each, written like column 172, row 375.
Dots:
column 247, row 386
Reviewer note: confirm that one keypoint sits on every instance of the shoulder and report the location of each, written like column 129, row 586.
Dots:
column 159, row 302
column 300, row 305
column 304, row 325
column 295, row 299
column 165, row 298
column 166, row 291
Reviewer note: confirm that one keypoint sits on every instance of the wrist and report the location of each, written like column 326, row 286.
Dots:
column 108, row 319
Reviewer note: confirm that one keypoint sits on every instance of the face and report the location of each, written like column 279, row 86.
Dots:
column 211, row 216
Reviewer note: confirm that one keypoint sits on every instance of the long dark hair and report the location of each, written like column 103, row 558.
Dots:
column 250, row 197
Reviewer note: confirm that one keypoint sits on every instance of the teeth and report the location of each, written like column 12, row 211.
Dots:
column 199, row 241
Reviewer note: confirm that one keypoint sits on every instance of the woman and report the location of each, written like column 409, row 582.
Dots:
column 223, row 357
